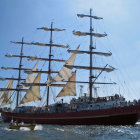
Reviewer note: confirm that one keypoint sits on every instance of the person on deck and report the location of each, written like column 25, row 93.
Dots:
column 12, row 121
column 15, row 123
column 22, row 123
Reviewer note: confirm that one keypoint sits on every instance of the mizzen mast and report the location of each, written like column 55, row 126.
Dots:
column 91, row 52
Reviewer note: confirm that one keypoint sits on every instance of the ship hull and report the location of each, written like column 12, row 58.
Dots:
column 114, row 116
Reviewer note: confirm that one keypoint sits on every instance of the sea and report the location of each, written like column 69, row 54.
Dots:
column 71, row 132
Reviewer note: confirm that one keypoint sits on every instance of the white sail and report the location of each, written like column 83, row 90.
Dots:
column 31, row 76
column 6, row 95
column 33, row 94
column 65, row 73
column 69, row 89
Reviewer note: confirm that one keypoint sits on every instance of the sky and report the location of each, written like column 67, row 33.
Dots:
column 121, row 21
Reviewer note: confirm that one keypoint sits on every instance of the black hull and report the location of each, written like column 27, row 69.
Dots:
column 115, row 116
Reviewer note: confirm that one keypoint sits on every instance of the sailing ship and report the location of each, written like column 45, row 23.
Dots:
column 84, row 110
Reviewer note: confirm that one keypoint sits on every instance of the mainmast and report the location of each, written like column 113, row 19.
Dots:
column 90, row 49
column 19, row 74
column 49, row 68
column 50, row 55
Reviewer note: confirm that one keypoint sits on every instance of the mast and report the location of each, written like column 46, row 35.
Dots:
column 29, row 71
column 91, row 52
column 49, row 67
column 69, row 64
column 90, row 49
column 50, row 45
column 19, row 74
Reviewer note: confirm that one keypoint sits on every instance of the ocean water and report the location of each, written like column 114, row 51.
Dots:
column 73, row 132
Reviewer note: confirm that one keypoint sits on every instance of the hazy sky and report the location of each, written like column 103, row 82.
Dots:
column 20, row 18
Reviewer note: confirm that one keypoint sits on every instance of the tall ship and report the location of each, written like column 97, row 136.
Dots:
column 87, row 109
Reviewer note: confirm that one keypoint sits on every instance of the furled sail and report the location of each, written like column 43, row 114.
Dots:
column 69, row 89
column 65, row 73
column 6, row 95
column 82, row 15
column 39, row 44
column 33, row 94
column 50, row 29
column 110, row 69
column 32, row 58
column 88, row 52
column 78, row 33
column 4, row 79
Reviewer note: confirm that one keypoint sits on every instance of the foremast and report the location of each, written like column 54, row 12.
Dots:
column 19, row 79
column 21, row 56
